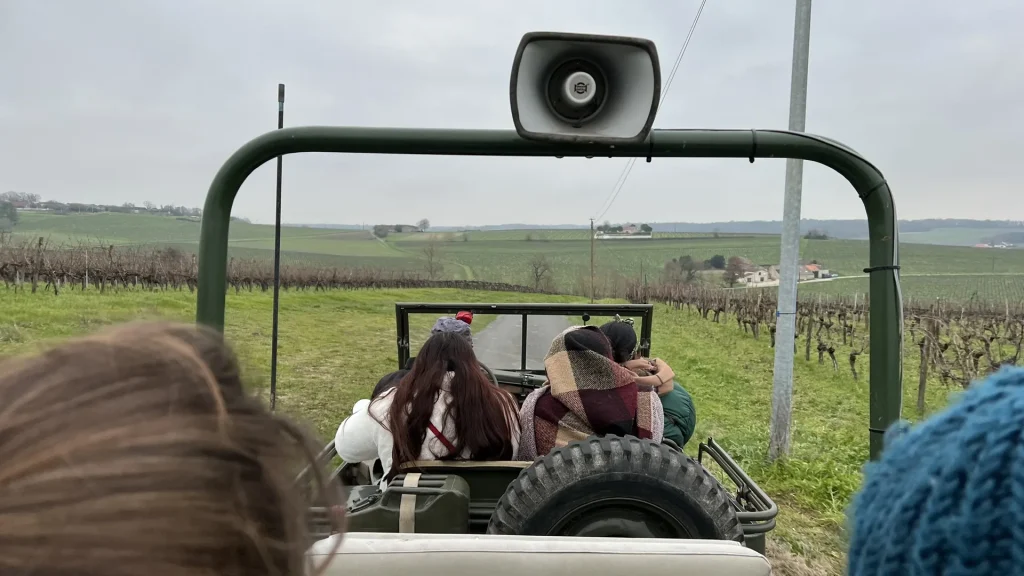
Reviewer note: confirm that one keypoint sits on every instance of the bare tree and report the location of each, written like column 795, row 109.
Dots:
column 733, row 271
column 432, row 260
column 682, row 270
column 541, row 269
column 423, row 225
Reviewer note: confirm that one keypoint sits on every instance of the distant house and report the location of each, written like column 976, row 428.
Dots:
column 759, row 275
column 813, row 272
column 396, row 228
column 770, row 273
column 628, row 231
column 807, row 272
column 754, row 277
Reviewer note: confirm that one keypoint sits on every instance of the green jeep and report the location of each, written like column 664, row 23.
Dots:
column 584, row 96
column 603, row 486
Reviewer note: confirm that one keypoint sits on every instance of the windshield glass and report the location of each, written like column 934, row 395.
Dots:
column 498, row 338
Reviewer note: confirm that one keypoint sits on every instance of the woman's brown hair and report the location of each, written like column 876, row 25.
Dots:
column 479, row 410
column 138, row 451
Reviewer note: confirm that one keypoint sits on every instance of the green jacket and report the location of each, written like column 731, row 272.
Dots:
column 680, row 416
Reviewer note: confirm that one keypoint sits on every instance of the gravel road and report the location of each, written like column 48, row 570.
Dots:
column 498, row 345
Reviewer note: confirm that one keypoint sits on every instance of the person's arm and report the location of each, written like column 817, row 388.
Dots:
column 512, row 416
column 356, row 440
column 661, row 376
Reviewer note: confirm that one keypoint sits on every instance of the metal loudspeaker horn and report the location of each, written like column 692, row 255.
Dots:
column 584, row 88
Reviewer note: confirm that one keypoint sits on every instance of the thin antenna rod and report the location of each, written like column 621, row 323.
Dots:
column 592, row 260
column 277, row 258
column 624, row 175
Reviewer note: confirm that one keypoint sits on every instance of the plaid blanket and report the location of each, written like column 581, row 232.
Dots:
column 587, row 394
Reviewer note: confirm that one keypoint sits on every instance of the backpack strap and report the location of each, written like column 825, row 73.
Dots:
column 441, row 438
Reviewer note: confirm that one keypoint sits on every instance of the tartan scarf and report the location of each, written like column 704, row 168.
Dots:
column 587, row 394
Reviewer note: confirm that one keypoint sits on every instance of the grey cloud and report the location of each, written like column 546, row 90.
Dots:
column 114, row 101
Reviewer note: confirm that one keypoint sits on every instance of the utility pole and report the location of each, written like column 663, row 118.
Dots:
column 277, row 258
column 591, row 260
column 785, row 316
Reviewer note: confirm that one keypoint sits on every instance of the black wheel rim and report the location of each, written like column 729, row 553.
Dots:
column 622, row 518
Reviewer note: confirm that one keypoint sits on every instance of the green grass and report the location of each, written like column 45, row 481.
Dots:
column 131, row 229
column 953, row 236
column 616, row 262
column 121, row 228
column 506, row 255
column 532, row 234
column 923, row 290
column 334, row 347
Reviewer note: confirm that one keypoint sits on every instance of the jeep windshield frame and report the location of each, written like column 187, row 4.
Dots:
column 403, row 309
column 885, row 299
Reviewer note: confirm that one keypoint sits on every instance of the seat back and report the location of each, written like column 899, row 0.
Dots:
column 444, row 555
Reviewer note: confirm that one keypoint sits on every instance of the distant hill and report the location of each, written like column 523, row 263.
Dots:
column 950, row 232
column 1008, row 237
column 329, row 226
column 130, row 223
column 847, row 229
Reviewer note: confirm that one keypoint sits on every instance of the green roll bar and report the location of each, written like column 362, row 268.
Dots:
column 886, row 326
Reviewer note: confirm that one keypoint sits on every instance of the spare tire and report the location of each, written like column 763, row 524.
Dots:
column 617, row 487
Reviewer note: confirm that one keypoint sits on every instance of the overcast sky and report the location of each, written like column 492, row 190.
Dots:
column 132, row 100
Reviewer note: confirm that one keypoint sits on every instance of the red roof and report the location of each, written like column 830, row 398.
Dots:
column 811, row 267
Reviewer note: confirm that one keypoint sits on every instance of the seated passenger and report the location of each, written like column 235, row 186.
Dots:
column 444, row 409
column 388, row 382
column 680, row 415
column 587, row 394
column 454, row 326
column 459, row 325
column 137, row 451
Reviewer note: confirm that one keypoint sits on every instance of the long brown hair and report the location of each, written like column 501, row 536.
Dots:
column 480, row 411
column 138, row 451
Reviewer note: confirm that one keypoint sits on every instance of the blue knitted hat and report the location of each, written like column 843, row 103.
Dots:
column 947, row 496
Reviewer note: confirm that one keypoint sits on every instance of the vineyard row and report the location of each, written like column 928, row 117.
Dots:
column 958, row 343
column 55, row 268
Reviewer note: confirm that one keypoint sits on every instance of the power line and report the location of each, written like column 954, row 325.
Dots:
column 624, row 175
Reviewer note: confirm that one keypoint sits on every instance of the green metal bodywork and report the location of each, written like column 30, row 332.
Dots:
column 885, row 300
column 460, row 497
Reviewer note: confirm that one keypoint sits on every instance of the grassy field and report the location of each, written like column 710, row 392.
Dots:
column 334, row 346
column 118, row 228
column 930, row 270
column 923, row 289
column 535, row 234
column 951, row 236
